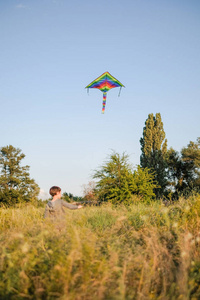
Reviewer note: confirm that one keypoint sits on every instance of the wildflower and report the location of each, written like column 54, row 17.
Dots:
column 165, row 210
column 183, row 254
column 188, row 236
column 19, row 235
column 187, row 208
column 198, row 239
column 46, row 232
column 122, row 218
column 57, row 267
column 25, row 248
column 144, row 218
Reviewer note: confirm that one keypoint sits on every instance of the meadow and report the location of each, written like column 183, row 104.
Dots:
column 144, row 251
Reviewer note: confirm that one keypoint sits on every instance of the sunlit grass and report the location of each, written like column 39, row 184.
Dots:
column 139, row 252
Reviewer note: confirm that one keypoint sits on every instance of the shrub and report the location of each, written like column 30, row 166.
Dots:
column 117, row 182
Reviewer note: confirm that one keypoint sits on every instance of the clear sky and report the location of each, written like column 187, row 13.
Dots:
column 51, row 49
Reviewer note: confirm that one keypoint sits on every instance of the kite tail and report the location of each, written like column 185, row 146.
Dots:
column 104, row 102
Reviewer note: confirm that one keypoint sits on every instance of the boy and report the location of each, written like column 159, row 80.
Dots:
column 56, row 207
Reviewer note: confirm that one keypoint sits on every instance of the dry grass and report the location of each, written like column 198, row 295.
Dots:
column 141, row 252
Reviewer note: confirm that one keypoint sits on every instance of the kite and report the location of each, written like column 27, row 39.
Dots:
column 105, row 82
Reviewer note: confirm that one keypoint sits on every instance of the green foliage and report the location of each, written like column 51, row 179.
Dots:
column 15, row 182
column 194, row 280
column 117, row 183
column 115, row 179
column 191, row 158
column 144, row 184
column 9, row 197
column 69, row 197
column 184, row 169
column 176, row 174
column 154, row 148
column 108, row 252
column 102, row 220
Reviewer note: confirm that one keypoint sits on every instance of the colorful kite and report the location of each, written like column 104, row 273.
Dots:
column 105, row 82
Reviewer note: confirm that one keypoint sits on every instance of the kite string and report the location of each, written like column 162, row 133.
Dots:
column 119, row 91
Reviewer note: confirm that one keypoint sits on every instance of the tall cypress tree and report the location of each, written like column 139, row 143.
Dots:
column 154, row 149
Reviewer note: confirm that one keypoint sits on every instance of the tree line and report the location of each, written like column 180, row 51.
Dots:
column 175, row 173
column 162, row 173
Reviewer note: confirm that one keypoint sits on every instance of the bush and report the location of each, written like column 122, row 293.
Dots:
column 117, row 182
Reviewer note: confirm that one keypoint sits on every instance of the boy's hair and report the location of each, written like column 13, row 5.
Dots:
column 54, row 190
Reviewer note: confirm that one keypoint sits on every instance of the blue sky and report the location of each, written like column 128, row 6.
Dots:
column 51, row 49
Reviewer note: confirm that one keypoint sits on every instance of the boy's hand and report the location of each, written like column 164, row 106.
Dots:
column 80, row 206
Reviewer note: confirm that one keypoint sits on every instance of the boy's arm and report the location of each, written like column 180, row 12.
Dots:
column 68, row 205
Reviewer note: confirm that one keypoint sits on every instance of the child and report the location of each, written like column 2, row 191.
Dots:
column 56, row 207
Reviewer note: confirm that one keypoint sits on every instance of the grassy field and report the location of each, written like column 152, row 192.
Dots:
column 140, row 252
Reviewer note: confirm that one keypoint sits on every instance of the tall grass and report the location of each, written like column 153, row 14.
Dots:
column 140, row 252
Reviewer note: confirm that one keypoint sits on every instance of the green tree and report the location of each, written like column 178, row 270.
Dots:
column 15, row 182
column 69, row 197
column 144, row 184
column 154, row 149
column 184, row 169
column 176, row 182
column 117, row 182
column 191, row 158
